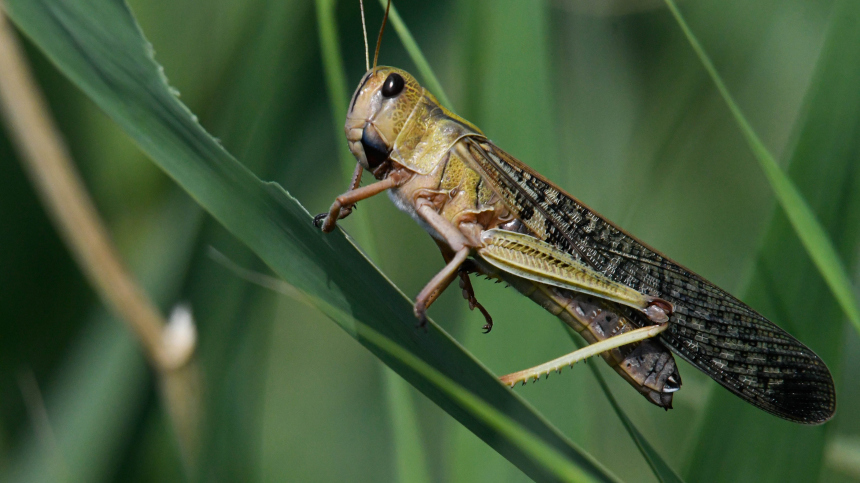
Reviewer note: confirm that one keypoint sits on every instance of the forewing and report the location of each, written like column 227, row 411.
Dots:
column 711, row 329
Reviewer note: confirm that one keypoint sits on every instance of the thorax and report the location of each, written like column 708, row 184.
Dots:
column 455, row 189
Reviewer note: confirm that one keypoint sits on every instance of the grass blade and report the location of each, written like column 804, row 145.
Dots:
column 658, row 465
column 335, row 75
column 411, row 459
column 430, row 79
column 100, row 48
column 818, row 245
column 823, row 161
column 551, row 458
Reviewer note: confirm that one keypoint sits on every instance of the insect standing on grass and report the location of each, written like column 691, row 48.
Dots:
column 492, row 215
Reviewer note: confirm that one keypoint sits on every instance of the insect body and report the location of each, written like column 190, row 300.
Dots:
column 491, row 214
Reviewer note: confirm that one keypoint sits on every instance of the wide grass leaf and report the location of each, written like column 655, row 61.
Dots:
column 98, row 45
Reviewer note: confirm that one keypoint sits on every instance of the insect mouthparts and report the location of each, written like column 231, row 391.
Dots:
column 375, row 150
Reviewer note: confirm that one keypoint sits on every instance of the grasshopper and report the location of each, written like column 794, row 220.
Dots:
column 492, row 215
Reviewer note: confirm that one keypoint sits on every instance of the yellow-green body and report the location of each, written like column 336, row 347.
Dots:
column 489, row 213
column 431, row 145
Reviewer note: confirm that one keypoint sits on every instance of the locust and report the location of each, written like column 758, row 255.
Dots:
column 494, row 216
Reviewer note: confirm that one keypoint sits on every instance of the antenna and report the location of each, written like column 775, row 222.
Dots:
column 381, row 30
column 364, row 31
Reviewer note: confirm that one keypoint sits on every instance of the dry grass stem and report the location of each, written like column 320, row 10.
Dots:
column 45, row 158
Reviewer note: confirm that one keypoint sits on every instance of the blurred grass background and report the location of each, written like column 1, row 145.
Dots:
column 607, row 100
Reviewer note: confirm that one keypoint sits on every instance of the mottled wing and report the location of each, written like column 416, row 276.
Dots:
column 711, row 329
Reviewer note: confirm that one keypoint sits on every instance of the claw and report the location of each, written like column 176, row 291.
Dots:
column 346, row 211
column 320, row 219
column 469, row 295
column 489, row 325
column 421, row 314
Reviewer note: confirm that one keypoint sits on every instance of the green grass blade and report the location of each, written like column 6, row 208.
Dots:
column 818, row 245
column 784, row 282
column 427, row 74
column 658, row 465
column 90, row 410
column 560, row 466
column 100, row 48
column 335, row 76
column 411, row 456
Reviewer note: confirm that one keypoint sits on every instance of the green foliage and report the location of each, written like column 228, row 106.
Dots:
column 811, row 234
column 614, row 106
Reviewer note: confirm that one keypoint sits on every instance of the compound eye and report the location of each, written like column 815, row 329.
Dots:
column 393, row 85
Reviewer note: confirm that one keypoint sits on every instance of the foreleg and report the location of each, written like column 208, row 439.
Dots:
column 346, row 210
column 328, row 220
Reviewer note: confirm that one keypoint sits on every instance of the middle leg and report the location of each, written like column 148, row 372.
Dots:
column 438, row 284
column 469, row 295
column 453, row 243
column 465, row 269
